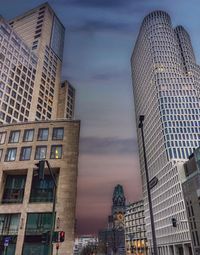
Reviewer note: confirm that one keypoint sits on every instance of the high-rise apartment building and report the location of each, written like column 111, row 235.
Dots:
column 166, row 91
column 17, row 76
column 43, row 33
column 35, row 113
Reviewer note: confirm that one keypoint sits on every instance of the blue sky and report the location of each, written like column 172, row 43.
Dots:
column 100, row 36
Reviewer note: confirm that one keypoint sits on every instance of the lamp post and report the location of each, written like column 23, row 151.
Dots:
column 155, row 250
column 40, row 171
column 53, row 208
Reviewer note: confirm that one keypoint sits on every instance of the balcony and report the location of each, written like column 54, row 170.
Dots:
column 12, row 196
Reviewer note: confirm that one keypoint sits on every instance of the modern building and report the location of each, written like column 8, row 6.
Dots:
column 191, row 190
column 17, row 76
column 44, row 34
column 30, row 68
column 36, row 125
column 26, row 202
column 135, row 232
column 166, row 91
column 83, row 241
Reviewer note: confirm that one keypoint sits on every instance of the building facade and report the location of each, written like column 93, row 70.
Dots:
column 18, row 66
column 31, row 47
column 83, row 241
column 43, row 33
column 33, row 129
column 26, row 202
column 66, row 102
column 191, row 190
column 166, row 91
column 135, row 232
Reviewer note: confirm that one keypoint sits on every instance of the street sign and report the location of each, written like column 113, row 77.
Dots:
column 7, row 240
column 153, row 182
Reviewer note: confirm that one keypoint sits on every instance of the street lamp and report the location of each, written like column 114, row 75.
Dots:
column 155, row 251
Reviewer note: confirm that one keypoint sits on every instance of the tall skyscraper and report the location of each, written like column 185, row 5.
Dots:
column 166, row 90
column 43, row 32
column 31, row 56
column 36, row 126
column 17, row 76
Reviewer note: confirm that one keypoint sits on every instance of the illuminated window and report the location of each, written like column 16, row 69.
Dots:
column 56, row 151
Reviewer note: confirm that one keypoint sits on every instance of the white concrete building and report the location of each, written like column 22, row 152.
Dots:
column 83, row 241
column 135, row 232
column 166, row 91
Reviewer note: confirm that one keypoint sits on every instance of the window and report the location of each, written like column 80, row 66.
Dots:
column 28, row 135
column 2, row 137
column 9, row 226
column 56, row 151
column 58, row 134
column 14, row 189
column 25, row 153
column 42, row 190
column 11, row 154
column 38, row 223
column 40, row 152
column 14, row 137
column 1, row 152
column 43, row 134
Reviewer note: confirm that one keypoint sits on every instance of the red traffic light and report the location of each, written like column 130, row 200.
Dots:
column 61, row 236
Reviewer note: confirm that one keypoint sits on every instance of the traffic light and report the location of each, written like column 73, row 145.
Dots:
column 45, row 237
column 40, row 169
column 61, row 236
column 174, row 222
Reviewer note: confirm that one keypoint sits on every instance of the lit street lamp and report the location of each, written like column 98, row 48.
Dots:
column 155, row 251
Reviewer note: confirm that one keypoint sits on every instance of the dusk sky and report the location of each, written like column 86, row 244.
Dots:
column 100, row 36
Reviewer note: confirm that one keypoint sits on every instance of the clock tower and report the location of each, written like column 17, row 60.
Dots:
column 118, row 213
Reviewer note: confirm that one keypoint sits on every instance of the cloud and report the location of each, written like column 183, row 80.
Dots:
column 98, row 3
column 101, row 25
column 108, row 145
